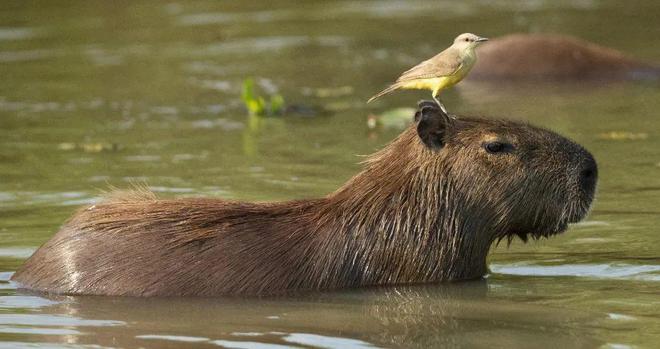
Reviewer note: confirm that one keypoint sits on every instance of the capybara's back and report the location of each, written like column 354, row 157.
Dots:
column 135, row 244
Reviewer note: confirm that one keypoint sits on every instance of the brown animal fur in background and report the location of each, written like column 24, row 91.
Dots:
column 426, row 208
column 557, row 57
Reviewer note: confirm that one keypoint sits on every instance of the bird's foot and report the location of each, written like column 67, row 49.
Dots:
column 434, row 105
column 442, row 107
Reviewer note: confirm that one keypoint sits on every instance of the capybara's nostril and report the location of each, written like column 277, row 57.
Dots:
column 588, row 174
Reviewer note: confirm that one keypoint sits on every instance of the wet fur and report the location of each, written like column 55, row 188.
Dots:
column 423, row 210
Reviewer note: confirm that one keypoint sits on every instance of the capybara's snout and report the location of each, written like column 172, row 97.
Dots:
column 588, row 174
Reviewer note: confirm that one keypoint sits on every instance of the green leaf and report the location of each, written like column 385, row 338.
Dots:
column 247, row 93
column 276, row 104
column 256, row 105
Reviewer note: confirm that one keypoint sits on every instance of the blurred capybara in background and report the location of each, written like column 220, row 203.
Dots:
column 555, row 57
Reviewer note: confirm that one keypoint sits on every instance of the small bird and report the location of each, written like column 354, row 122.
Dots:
column 442, row 71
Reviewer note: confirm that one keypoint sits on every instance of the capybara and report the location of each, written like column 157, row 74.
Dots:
column 426, row 208
column 555, row 57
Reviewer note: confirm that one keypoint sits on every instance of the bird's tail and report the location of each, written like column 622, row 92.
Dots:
column 385, row 91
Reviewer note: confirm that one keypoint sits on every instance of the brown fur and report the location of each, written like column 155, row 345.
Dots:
column 542, row 56
column 425, row 209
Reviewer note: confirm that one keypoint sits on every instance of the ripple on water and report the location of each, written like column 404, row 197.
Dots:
column 5, row 196
column 27, row 55
column 599, row 271
column 236, row 17
column 17, row 33
column 621, row 317
column 39, row 331
column 6, row 275
column 53, row 320
column 250, row 345
column 327, row 342
column 591, row 224
column 57, row 197
column 271, row 43
column 616, row 346
column 38, row 198
column 5, row 284
column 24, row 302
column 188, row 157
column 293, row 340
column 187, row 339
column 142, row 158
column 158, row 189
column 16, row 252
column 225, row 124
column 43, row 345
column 363, row 9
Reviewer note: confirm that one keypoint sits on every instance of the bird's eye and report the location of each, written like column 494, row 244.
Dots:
column 497, row 147
column 466, row 39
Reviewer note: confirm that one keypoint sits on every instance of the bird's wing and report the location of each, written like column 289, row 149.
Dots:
column 444, row 63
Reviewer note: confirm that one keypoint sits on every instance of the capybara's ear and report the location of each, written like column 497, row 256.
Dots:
column 421, row 104
column 432, row 124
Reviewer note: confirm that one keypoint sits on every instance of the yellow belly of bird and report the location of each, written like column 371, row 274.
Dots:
column 434, row 84
column 444, row 82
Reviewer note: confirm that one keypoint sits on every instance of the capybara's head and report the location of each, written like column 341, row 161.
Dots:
column 525, row 181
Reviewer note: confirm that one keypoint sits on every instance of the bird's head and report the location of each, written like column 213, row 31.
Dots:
column 468, row 41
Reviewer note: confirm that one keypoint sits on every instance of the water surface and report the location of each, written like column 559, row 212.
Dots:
column 97, row 94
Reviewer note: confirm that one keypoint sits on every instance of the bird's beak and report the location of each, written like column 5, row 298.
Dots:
column 482, row 39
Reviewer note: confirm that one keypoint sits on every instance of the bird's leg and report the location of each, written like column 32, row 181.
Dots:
column 442, row 107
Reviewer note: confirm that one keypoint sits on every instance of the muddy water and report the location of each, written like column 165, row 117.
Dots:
column 97, row 94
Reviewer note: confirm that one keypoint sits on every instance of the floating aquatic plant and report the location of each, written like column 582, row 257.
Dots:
column 257, row 105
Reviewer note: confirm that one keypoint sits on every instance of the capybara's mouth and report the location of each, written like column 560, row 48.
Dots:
column 572, row 214
column 579, row 209
column 580, row 213
column 535, row 234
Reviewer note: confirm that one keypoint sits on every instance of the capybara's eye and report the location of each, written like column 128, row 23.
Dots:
column 496, row 147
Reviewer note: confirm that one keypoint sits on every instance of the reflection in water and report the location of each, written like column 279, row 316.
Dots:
column 452, row 315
